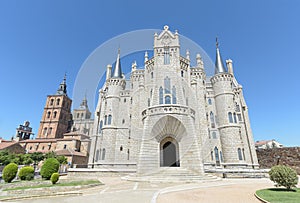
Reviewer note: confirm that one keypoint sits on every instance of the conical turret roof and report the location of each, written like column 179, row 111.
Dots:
column 219, row 65
column 117, row 71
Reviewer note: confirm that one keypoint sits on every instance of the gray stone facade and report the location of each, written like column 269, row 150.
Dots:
column 169, row 114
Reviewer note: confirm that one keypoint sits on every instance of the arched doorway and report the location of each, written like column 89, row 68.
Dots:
column 169, row 153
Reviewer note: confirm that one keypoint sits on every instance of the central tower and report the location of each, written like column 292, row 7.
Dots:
column 169, row 137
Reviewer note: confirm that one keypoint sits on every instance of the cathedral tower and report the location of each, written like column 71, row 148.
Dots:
column 57, row 117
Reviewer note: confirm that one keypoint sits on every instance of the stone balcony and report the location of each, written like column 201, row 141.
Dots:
column 168, row 109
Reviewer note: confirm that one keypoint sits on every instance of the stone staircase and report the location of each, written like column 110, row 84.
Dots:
column 172, row 174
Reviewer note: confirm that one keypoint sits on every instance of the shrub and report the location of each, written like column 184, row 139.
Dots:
column 54, row 178
column 9, row 172
column 283, row 176
column 49, row 167
column 26, row 173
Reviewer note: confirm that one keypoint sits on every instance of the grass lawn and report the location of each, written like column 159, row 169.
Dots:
column 279, row 195
column 49, row 184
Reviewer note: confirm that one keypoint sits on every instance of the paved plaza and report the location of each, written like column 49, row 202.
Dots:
column 117, row 190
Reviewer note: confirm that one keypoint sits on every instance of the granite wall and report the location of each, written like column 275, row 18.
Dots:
column 289, row 156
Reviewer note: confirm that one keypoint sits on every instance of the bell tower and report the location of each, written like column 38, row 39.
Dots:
column 57, row 117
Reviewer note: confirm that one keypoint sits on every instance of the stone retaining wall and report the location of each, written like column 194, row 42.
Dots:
column 289, row 156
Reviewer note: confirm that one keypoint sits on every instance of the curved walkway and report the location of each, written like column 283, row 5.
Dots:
column 117, row 190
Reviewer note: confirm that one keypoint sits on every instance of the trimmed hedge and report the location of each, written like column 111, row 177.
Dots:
column 49, row 167
column 9, row 172
column 284, row 176
column 26, row 173
column 54, row 178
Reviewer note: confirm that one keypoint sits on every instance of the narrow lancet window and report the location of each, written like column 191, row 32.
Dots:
column 166, row 56
column 161, row 96
column 174, row 95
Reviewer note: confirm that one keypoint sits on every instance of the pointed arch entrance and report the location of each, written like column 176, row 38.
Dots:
column 169, row 153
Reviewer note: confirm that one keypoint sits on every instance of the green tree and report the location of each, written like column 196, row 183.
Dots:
column 26, row 173
column 62, row 159
column 27, row 160
column 283, row 176
column 9, row 172
column 49, row 167
column 50, row 155
column 37, row 157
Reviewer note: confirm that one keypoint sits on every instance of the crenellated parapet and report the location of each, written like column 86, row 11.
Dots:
column 137, row 75
column 150, row 65
column 184, row 63
column 221, row 77
column 197, row 73
column 116, row 82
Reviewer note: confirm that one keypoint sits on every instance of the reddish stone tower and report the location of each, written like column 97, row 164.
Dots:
column 57, row 117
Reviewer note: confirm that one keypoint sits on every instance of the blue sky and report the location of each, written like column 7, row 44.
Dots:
column 41, row 40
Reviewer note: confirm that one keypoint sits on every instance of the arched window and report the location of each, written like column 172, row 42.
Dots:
column 121, row 148
column 151, row 91
column 123, row 121
column 167, row 99
column 57, row 101
column 182, row 73
column 212, row 155
column 97, row 155
column 48, row 114
column 109, row 119
column 174, row 99
column 234, row 117
column 221, row 156
column 212, row 119
column 77, row 115
column 45, row 131
column 100, row 126
column 148, row 102
column 230, row 117
column 244, row 153
column 50, row 131
column 166, row 56
column 103, row 154
column 161, row 95
column 51, row 102
column 151, row 74
column 124, row 100
column 54, row 114
column 167, row 83
column 216, row 154
column 105, row 120
column 214, row 135
column 127, row 154
column 240, row 154
column 209, row 101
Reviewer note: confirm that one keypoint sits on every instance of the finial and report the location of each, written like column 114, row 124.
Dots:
column 217, row 43
column 119, row 50
column 146, row 56
column 166, row 27
column 187, row 53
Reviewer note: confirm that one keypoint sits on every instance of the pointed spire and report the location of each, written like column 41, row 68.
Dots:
column 62, row 90
column 84, row 102
column 117, row 71
column 146, row 57
column 219, row 62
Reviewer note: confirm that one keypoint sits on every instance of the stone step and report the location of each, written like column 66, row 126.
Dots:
column 172, row 174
